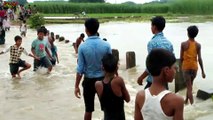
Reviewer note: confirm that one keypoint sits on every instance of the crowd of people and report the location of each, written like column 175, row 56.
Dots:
column 156, row 102
column 98, row 67
column 14, row 12
column 43, row 49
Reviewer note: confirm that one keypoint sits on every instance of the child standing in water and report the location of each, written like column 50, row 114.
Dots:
column 78, row 42
column 15, row 61
column 155, row 102
column 2, row 34
column 112, row 90
column 53, row 50
column 23, row 28
column 39, row 49
column 190, row 54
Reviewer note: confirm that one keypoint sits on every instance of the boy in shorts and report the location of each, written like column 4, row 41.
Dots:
column 15, row 61
column 190, row 55
column 40, row 50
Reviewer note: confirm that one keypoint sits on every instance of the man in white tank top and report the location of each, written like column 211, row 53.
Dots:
column 157, row 103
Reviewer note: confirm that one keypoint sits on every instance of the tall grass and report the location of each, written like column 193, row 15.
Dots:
column 155, row 8
column 66, row 7
column 191, row 6
column 173, row 6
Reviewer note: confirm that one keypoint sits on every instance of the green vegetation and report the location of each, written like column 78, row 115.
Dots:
column 89, row 1
column 212, row 97
column 191, row 6
column 172, row 6
column 36, row 20
column 173, row 10
column 66, row 7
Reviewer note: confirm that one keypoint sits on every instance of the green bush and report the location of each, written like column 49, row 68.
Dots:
column 36, row 21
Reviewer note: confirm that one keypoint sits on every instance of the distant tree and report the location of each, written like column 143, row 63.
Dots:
column 88, row 1
column 129, row 3
column 36, row 20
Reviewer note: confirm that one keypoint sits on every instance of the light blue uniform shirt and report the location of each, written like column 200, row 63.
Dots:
column 90, row 54
column 158, row 41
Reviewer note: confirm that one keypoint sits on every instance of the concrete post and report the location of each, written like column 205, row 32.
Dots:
column 61, row 39
column 115, row 52
column 179, row 81
column 67, row 41
column 56, row 36
column 130, row 59
column 205, row 93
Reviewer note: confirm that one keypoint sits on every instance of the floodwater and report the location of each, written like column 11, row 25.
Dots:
column 38, row 96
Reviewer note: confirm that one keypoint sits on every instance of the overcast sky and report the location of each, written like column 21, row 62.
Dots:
column 112, row 1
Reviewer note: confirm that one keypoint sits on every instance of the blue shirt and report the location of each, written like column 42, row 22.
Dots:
column 90, row 54
column 158, row 41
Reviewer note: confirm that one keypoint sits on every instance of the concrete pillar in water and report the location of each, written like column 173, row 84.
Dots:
column 56, row 36
column 204, row 94
column 130, row 59
column 67, row 41
column 179, row 81
column 115, row 52
column 61, row 39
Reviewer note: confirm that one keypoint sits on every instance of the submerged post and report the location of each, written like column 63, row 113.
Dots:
column 115, row 52
column 56, row 36
column 179, row 81
column 61, row 39
column 205, row 93
column 130, row 59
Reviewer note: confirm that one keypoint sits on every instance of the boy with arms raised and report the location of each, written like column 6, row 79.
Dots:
column 15, row 61
column 112, row 90
column 157, row 103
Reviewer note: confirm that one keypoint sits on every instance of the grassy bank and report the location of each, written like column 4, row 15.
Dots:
column 131, row 17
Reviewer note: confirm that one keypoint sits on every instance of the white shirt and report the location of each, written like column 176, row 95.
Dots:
column 23, row 28
column 152, row 109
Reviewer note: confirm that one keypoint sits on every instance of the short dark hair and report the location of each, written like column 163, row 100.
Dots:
column 40, row 30
column 159, row 58
column 110, row 63
column 17, row 37
column 104, row 39
column 159, row 22
column 44, row 29
column 192, row 31
column 82, row 35
column 92, row 25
